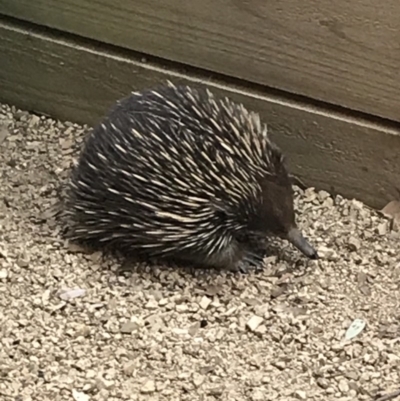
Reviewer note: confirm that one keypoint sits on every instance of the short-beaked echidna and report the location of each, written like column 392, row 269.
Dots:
column 177, row 173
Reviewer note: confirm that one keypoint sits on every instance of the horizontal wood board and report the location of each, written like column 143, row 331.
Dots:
column 79, row 84
column 342, row 52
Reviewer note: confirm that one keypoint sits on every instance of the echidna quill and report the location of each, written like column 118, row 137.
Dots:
column 176, row 173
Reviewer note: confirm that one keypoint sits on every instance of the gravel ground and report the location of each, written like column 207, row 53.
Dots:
column 172, row 334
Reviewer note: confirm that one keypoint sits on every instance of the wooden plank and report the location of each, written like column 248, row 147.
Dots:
column 78, row 83
column 342, row 52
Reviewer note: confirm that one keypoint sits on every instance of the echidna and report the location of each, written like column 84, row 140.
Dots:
column 177, row 173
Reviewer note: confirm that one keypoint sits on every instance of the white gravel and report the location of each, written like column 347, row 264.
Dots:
column 170, row 334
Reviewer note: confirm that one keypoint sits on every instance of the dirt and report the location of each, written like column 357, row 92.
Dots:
column 73, row 328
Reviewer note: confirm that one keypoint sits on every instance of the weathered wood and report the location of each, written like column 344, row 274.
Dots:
column 77, row 83
column 343, row 52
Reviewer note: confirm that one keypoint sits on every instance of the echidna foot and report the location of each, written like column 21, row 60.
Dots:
column 251, row 261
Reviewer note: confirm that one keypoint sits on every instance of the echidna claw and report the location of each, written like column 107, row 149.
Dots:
column 251, row 261
column 243, row 269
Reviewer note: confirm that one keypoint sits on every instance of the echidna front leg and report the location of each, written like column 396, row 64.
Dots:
column 251, row 260
column 236, row 258
column 228, row 257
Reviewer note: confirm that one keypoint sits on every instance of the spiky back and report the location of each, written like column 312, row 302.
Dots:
column 171, row 167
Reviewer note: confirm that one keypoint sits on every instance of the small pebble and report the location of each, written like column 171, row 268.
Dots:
column 3, row 274
column 258, row 395
column 382, row 228
column 79, row 396
column 354, row 244
column 182, row 308
column 148, row 387
column 326, row 253
column 129, row 368
column 198, row 379
column 301, row 395
column 343, row 386
column 205, row 302
column 254, row 322
column 152, row 304
column 3, row 134
column 69, row 294
column 323, row 383
column 129, row 327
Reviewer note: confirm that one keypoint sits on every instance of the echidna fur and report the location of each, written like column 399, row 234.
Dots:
column 177, row 173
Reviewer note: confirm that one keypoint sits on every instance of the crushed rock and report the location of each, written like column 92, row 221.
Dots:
column 170, row 334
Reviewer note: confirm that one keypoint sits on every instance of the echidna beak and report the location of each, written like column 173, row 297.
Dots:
column 296, row 238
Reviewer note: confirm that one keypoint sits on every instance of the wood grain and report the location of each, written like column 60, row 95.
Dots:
column 342, row 52
column 79, row 84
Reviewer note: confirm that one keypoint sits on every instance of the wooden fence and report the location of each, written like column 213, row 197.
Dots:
column 324, row 75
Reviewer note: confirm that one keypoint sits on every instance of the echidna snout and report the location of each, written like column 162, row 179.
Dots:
column 277, row 212
column 296, row 238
